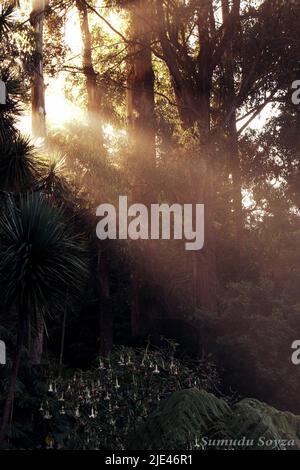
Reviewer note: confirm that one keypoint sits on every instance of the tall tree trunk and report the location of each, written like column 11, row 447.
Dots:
column 192, row 88
column 106, row 318
column 63, row 337
column 13, row 380
column 37, row 345
column 136, row 314
column 206, row 278
column 140, row 87
column 231, row 127
column 94, row 94
column 205, row 270
column 37, row 81
column 141, row 127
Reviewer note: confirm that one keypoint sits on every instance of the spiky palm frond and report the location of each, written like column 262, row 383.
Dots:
column 39, row 258
column 6, row 17
column 20, row 168
column 55, row 182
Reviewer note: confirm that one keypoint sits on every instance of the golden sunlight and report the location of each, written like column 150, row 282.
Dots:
column 73, row 35
column 60, row 110
column 114, row 18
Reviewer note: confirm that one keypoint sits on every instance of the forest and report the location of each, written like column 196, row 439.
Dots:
column 113, row 336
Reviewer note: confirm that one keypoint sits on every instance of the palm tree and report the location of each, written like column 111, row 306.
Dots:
column 20, row 168
column 6, row 22
column 40, row 259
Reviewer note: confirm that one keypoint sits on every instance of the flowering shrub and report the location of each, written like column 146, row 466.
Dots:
column 99, row 409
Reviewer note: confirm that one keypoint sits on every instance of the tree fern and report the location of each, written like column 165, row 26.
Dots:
column 254, row 419
column 179, row 419
column 191, row 414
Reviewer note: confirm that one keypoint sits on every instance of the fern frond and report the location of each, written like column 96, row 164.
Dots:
column 195, row 413
column 257, row 420
column 180, row 418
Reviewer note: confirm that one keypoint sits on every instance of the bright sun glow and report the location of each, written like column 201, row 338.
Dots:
column 59, row 109
column 73, row 34
column 113, row 137
column 116, row 21
column 248, row 200
column 113, row 18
